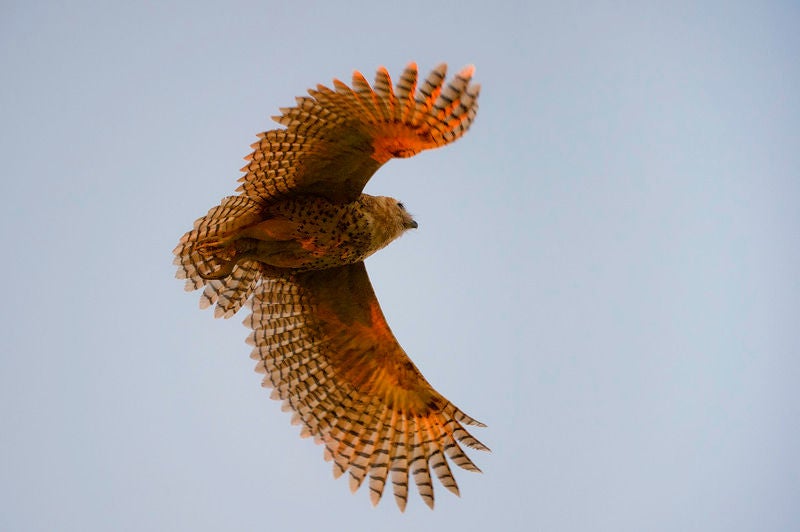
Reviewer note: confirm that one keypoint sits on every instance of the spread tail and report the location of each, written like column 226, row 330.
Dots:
column 206, row 256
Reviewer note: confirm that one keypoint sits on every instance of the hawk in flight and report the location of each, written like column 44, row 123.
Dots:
column 292, row 246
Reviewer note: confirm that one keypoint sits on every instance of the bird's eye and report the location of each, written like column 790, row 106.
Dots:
column 400, row 204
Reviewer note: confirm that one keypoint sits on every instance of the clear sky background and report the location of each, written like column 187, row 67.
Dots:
column 606, row 269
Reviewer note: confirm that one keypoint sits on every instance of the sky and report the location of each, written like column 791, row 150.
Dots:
column 605, row 272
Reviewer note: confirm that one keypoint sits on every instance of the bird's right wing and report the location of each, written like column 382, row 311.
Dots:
column 335, row 139
column 322, row 342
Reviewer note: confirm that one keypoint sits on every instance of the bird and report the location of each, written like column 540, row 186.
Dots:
column 291, row 244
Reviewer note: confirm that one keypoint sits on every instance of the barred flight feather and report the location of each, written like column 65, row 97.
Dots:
column 355, row 124
column 352, row 425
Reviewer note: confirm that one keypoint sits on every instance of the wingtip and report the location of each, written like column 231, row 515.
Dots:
column 467, row 71
column 354, row 484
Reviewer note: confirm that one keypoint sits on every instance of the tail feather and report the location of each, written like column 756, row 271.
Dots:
column 205, row 258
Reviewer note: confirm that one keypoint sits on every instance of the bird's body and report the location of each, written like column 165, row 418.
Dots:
column 292, row 245
column 304, row 233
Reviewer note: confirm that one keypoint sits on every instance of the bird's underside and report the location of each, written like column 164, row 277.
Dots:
column 291, row 245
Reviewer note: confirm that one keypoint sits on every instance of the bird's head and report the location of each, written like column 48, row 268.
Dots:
column 390, row 219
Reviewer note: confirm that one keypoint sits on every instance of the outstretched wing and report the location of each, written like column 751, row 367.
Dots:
column 326, row 349
column 335, row 139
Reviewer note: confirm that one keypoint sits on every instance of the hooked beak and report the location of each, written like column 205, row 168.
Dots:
column 411, row 224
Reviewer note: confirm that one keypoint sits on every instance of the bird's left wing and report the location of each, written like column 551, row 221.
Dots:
column 336, row 139
column 326, row 350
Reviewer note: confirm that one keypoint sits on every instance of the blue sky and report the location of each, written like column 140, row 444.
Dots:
column 605, row 271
